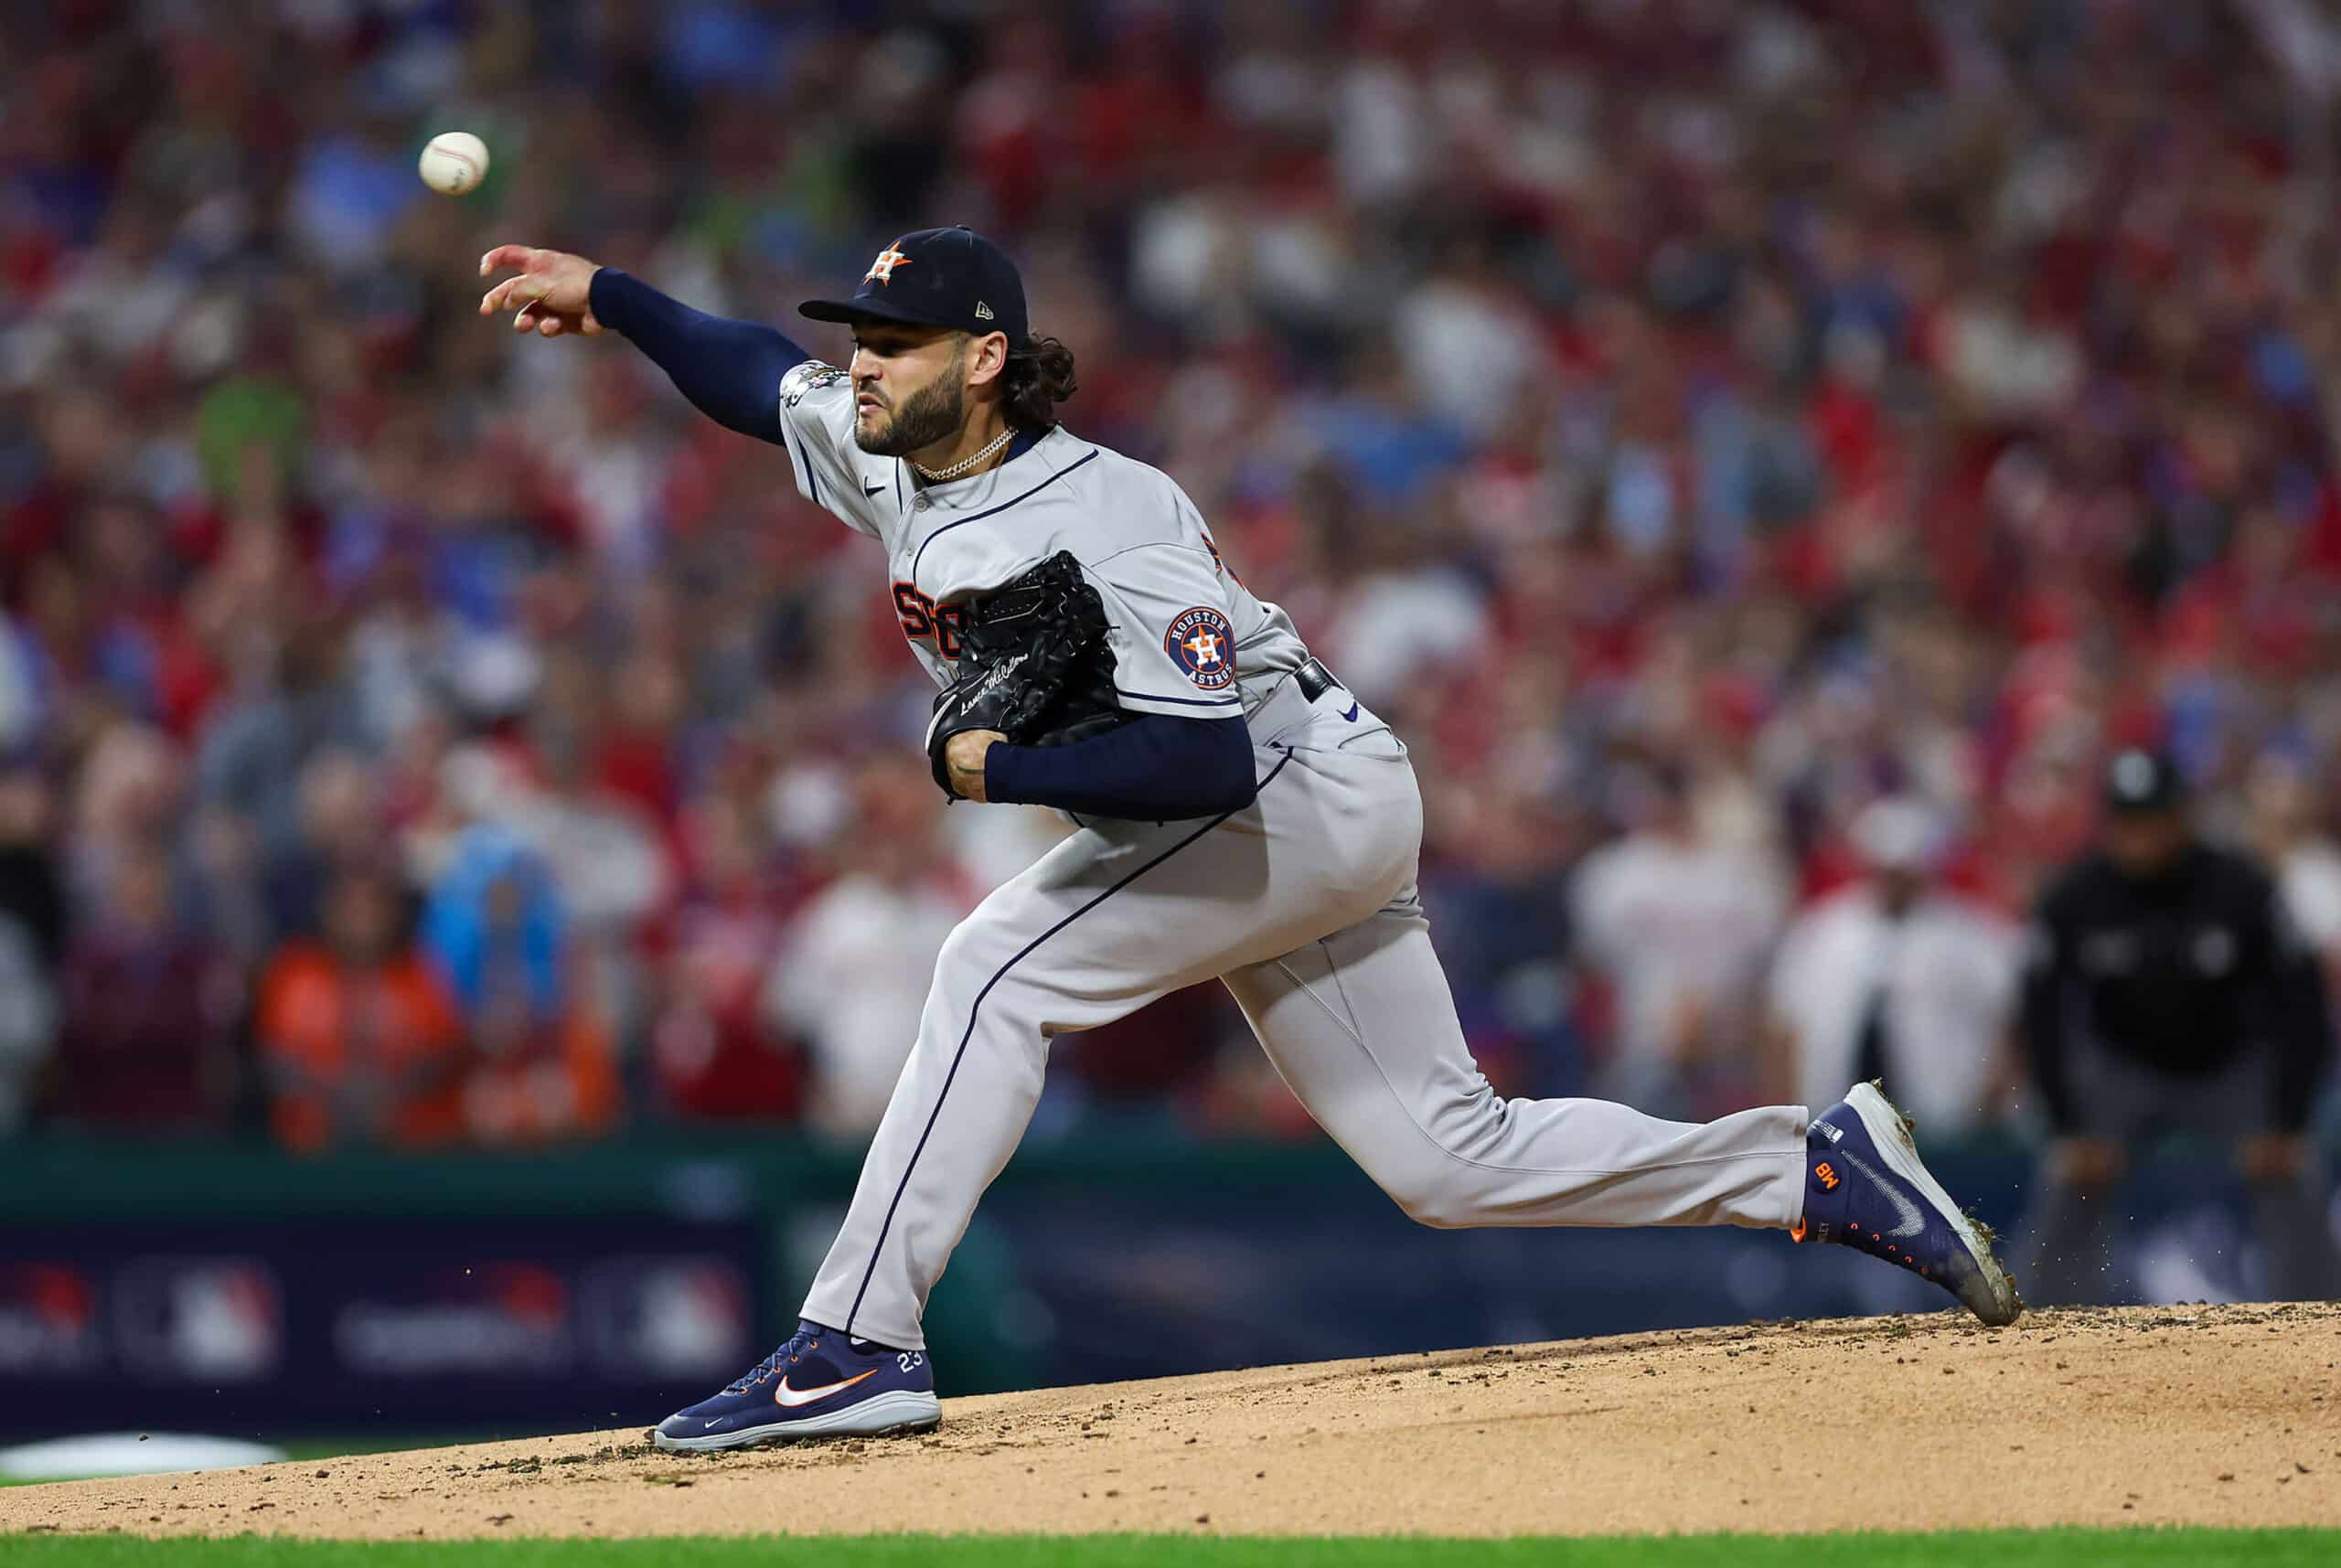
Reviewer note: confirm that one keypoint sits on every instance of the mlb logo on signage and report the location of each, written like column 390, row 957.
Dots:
column 198, row 1319
column 669, row 1317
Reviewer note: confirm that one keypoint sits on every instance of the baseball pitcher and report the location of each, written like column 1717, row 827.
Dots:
column 1240, row 816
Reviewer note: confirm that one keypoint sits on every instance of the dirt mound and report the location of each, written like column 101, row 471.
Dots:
column 2228, row 1415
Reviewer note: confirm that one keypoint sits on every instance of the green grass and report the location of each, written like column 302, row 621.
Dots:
column 2002, row 1549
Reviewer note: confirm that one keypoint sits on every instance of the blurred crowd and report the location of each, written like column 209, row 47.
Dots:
column 1748, row 450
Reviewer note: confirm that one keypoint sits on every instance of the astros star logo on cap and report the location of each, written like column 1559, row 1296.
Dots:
column 883, row 269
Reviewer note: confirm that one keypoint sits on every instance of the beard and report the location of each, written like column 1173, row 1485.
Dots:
column 935, row 412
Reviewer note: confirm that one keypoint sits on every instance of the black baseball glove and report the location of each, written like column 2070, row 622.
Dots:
column 1034, row 664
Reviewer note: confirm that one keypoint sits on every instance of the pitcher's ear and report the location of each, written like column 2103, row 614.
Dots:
column 986, row 357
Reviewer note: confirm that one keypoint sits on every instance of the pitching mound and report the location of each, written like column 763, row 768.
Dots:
column 2191, row 1415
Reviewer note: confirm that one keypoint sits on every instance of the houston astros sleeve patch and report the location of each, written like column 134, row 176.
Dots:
column 1202, row 645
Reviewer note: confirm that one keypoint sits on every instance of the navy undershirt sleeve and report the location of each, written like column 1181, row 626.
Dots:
column 730, row 370
column 1153, row 768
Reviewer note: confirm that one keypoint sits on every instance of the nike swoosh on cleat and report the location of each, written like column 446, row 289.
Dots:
column 868, row 490
column 792, row 1397
column 1352, row 714
column 1913, row 1222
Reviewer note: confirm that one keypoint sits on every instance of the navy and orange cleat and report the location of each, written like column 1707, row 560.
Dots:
column 819, row 1384
column 1864, row 1187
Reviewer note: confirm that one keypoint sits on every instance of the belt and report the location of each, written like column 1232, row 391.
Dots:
column 1291, row 702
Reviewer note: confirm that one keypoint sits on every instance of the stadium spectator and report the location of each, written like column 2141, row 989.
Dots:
column 32, row 888
column 28, row 1022
column 1899, row 978
column 551, row 1079
column 882, row 921
column 714, row 1053
column 32, row 940
column 2284, row 832
column 1680, row 923
column 1842, row 402
column 495, row 932
column 494, row 926
column 1498, row 901
column 359, row 1042
column 148, row 1010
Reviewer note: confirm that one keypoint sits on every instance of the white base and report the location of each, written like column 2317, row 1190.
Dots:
column 900, row 1411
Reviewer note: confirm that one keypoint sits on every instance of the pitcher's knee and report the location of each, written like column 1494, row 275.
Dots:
column 1440, row 1215
column 977, row 953
column 1429, row 1197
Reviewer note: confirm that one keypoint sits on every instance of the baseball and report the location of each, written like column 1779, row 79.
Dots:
column 454, row 162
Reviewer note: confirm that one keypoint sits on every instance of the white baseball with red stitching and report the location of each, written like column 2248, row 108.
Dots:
column 454, row 162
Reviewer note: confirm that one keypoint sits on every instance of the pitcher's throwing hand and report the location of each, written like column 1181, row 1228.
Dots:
column 553, row 295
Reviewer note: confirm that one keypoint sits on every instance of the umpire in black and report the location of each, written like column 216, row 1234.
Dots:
column 2167, row 994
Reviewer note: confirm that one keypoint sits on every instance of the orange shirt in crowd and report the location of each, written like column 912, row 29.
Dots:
column 565, row 1083
column 323, row 1022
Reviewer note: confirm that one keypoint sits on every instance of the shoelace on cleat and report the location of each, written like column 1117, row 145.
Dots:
column 1877, row 1246
column 787, row 1353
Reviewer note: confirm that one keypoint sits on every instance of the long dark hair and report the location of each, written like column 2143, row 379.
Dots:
column 1036, row 378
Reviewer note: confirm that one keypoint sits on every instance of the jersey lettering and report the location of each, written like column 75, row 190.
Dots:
column 917, row 612
column 1156, row 562
column 1219, row 561
column 925, row 621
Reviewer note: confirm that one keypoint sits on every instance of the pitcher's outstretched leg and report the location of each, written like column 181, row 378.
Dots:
column 1363, row 1028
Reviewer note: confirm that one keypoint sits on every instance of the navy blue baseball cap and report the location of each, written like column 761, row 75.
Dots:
column 936, row 277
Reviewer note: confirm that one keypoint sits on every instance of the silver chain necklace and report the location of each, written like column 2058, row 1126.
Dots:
column 972, row 461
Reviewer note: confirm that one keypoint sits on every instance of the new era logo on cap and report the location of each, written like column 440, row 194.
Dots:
column 2139, row 779
column 936, row 277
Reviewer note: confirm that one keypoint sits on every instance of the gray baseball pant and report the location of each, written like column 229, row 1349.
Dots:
column 1303, row 903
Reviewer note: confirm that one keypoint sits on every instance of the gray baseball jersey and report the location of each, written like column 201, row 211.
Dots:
column 1302, row 903
column 1188, row 637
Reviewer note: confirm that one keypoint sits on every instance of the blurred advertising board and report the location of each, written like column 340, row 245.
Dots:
column 513, row 1325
